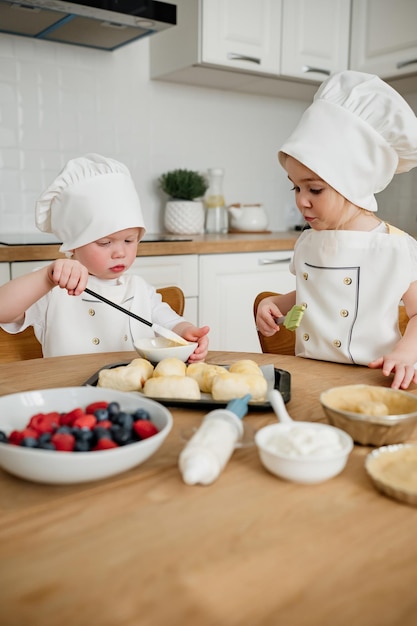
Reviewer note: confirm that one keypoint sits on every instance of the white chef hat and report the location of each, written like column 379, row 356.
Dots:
column 356, row 135
column 92, row 197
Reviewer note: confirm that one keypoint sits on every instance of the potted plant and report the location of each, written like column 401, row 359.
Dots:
column 184, row 212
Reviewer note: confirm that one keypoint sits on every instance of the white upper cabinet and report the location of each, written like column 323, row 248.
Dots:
column 315, row 38
column 242, row 34
column 286, row 47
column 384, row 37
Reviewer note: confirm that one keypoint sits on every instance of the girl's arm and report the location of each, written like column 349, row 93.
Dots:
column 19, row 294
column 271, row 308
column 404, row 355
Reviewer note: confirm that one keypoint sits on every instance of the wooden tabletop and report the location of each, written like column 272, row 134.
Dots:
column 144, row 549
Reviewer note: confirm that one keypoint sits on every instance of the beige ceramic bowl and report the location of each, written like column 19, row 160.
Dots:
column 155, row 349
column 358, row 410
column 393, row 470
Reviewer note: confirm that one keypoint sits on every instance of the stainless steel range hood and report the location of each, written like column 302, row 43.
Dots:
column 103, row 24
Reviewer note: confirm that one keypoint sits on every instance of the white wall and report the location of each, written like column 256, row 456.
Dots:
column 59, row 101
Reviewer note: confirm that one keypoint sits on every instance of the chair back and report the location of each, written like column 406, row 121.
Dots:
column 283, row 342
column 24, row 345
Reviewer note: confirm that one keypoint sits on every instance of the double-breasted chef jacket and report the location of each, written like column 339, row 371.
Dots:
column 66, row 324
column 351, row 284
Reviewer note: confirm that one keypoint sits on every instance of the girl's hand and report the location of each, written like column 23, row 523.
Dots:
column 68, row 274
column 192, row 333
column 265, row 317
column 404, row 373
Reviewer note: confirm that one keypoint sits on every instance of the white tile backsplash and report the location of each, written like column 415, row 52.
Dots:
column 59, row 101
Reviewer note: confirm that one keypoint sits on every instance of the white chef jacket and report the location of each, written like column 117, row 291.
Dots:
column 66, row 324
column 351, row 283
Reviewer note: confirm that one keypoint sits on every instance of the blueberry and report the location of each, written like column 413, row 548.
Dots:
column 123, row 419
column 83, row 434
column 67, row 430
column 3, row 437
column 141, row 414
column 82, row 445
column 44, row 438
column 29, row 442
column 47, row 445
column 113, row 408
column 100, row 433
column 120, row 434
column 101, row 415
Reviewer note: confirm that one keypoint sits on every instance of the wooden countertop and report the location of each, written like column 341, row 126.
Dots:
column 200, row 244
column 143, row 548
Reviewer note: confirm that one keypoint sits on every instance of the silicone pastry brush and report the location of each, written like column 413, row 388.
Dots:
column 159, row 330
column 293, row 318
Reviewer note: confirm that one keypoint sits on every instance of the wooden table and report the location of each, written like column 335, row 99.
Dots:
column 144, row 549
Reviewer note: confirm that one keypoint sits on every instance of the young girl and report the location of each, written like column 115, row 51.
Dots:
column 93, row 208
column 352, row 270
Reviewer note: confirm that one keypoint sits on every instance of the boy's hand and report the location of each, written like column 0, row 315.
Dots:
column 68, row 274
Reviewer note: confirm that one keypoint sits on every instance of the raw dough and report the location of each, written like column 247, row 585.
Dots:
column 178, row 387
column 170, row 367
column 232, row 385
column 204, row 374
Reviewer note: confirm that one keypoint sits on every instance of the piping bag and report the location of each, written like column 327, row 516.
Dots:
column 205, row 455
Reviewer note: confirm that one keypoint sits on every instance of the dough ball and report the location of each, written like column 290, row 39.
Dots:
column 204, row 374
column 145, row 365
column 232, row 385
column 246, row 366
column 170, row 367
column 175, row 387
column 122, row 378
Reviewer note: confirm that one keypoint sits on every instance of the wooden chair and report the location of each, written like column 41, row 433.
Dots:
column 24, row 345
column 283, row 342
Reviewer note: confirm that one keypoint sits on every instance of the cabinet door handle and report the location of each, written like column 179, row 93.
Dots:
column 273, row 261
column 319, row 70
column 401, row 64
column 234, row 56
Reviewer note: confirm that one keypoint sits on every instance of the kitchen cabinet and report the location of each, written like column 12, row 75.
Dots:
column 384, row 37
column 178, row 270
column 4, row 273
column 159, row 271
column 315, row 38
column 228, row 286
column 227, row 44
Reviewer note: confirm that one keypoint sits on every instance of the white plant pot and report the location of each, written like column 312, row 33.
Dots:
column 184, row 217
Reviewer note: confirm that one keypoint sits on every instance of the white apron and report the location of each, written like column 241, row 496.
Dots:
column 352, row 283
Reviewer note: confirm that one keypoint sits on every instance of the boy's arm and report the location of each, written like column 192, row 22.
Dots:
column 19, row 294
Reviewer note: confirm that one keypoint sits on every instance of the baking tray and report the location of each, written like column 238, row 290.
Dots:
column 277, row 379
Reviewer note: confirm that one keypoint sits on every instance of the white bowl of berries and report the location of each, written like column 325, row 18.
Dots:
column 78, row 434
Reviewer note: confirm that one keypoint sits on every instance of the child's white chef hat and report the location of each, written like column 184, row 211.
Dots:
column 92, row 197
column 356, row 135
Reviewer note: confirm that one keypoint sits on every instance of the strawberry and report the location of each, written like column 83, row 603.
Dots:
column 105, row 444
column 44, row 422
column 144, row 429
column 67, row 419
column 85, row 421
column 96, row 405
column 64, row 442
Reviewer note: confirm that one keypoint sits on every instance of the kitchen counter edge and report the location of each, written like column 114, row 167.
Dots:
column 199, row 244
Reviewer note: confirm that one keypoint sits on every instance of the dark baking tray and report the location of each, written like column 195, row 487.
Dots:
column 278, row 378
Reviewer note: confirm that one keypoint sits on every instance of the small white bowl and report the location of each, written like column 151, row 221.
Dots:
column 52, row 467
column 155, row 349
column 308, row 468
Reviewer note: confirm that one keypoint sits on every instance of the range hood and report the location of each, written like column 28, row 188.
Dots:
column 102, row 24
